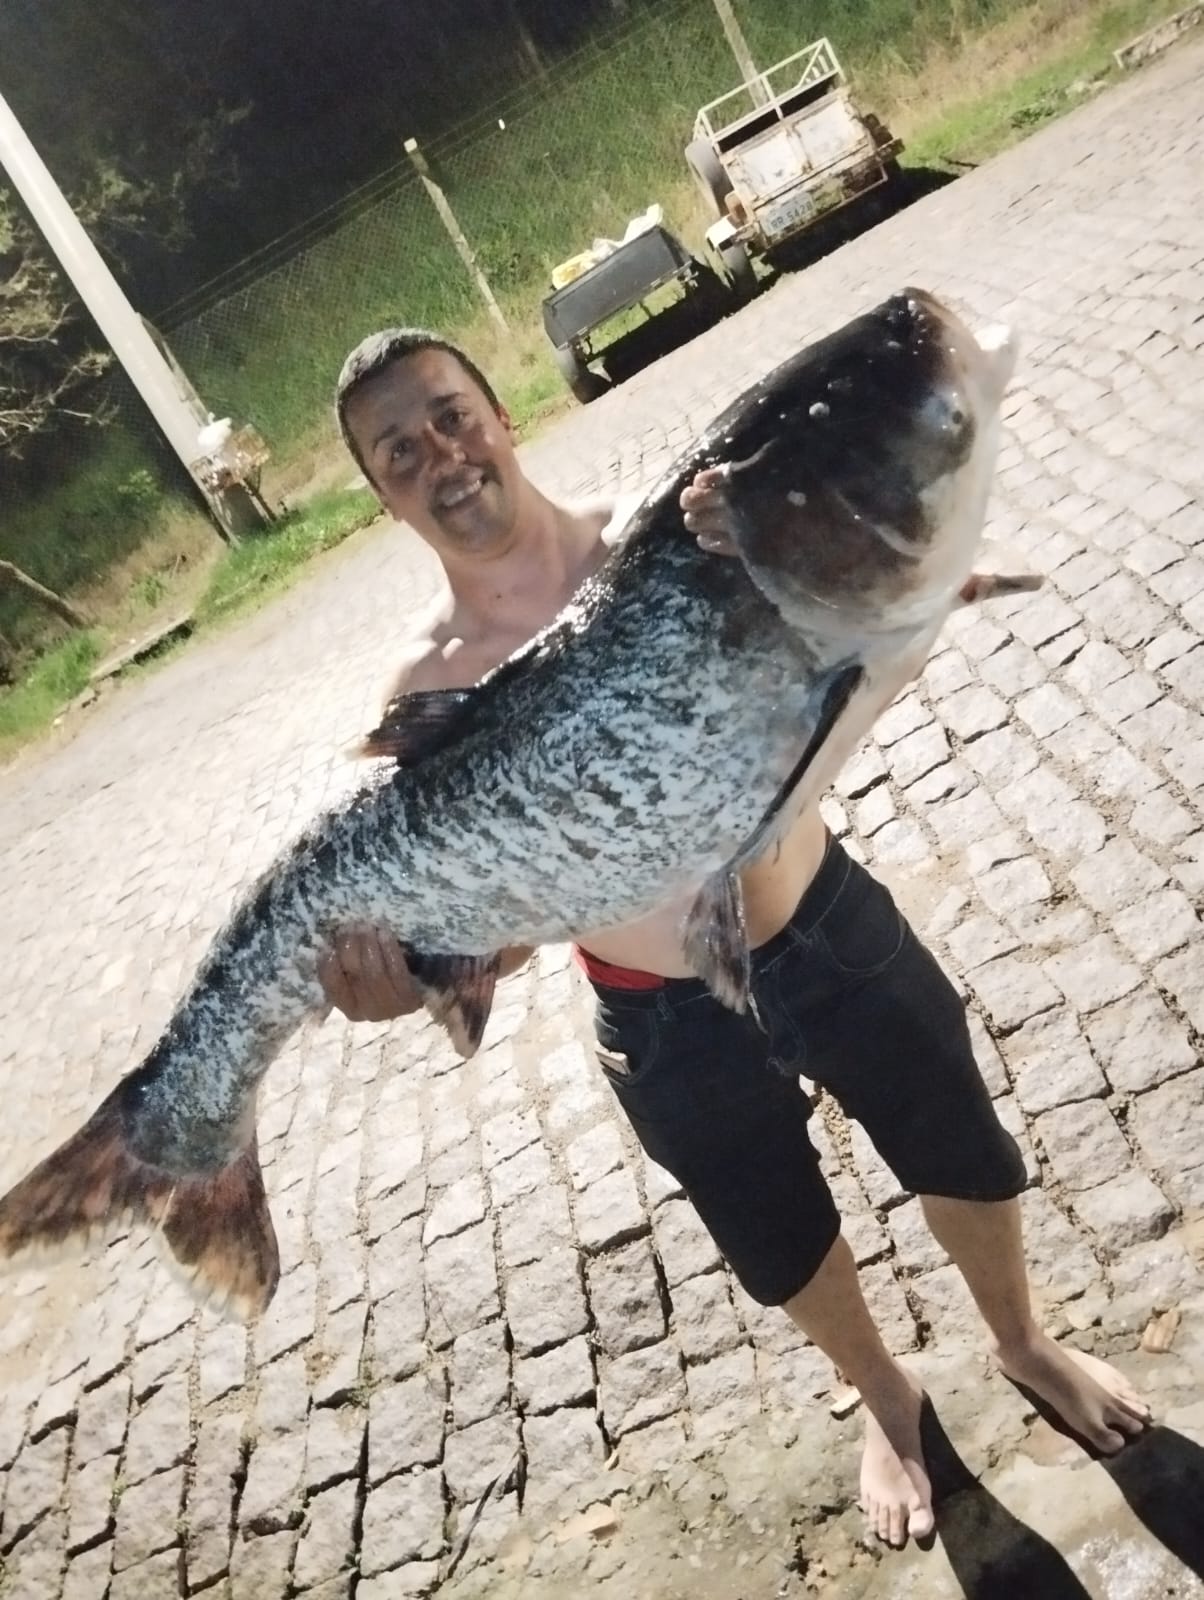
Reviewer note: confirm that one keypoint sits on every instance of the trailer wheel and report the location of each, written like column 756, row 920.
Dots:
column 709, row 175
column 737, row 263
column 584, row 384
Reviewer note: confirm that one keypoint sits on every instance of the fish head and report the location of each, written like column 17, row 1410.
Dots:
column 856, row 475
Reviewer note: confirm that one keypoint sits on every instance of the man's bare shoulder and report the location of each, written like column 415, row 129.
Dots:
column 426, row 660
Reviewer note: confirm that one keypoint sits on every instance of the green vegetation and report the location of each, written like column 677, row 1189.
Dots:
column 533, row 179
column 261, row 566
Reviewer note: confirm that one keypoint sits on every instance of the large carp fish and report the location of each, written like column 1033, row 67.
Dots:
column 656, row 737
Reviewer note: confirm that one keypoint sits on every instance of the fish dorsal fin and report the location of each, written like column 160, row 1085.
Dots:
column 417, row 725
column 458, row 993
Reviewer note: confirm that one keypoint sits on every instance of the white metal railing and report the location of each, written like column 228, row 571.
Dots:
column 818, row 62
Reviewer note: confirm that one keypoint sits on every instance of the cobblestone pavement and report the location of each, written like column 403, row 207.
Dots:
column 484, row 1283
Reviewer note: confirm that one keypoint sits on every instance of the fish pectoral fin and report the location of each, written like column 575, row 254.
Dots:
column 991, row 585
column 458, row 993
column 416, row 725
column 715, row 942
column 216, row 1227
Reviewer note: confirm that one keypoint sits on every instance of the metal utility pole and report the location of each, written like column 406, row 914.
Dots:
column 463, row 248
column 739, row 46
column 100, row 292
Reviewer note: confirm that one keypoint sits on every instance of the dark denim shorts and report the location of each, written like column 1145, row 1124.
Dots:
column 847, row 996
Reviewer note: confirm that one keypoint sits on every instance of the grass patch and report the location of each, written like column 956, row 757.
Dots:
column 55, row 679
column 270, row 561
column 1046, row 61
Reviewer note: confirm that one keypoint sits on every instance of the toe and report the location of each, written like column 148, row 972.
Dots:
column 921, row 1522
column 896, row 1525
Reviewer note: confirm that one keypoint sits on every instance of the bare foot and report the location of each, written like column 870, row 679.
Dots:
column 895, row 1493
column 1090, row 1396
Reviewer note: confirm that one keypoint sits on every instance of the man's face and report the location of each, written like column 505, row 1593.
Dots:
column 439, row 456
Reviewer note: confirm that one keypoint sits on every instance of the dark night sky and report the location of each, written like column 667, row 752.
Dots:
column 332, row 91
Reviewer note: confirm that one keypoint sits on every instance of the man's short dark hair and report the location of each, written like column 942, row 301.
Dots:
column 377, row 353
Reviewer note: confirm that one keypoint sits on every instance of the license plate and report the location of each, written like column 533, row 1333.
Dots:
column 788, row 213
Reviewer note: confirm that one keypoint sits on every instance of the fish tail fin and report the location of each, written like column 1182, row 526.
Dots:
column 216, row 1227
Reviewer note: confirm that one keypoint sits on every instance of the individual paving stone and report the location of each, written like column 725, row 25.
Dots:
column 1095, row 667
column 947, row 1306
column 915, row 1248
column 964, row 819
column 1046, row 709
column 149, row 1580
column 504, row 1136
column 1011, row 1118
column 1139, row 1043
column 972, row 711
column 336, row 1356
column 860, row 773
column 529, row 1170
column 1007, row 885
column 387, row 1214
column 888, row 1307
column 414, row 1577
column 640, row 1387
column 57, row 1404
column 35, row 1481
column 475, row 1456
column 289, row 1320
column 562, row 1451
column 917, row 754
column 33, row 1567
column 1159, row 1272
column 898, row 844
column 724, row 1395
column 148, row 1517
column 1160, row 818
column 455, row 1209
column 160, row 1432
column 395, row 1261
column 283, row 1396
column 222, row 1360
column 1182, row 975
column 1083, row 1144
column 875, row 810
column 1124, row 1211
column 327, row 1542
column 544, row 1302
column 217, row 1459
column 403, row 1521
column 980, row 939
column 945, row 672
column 878, row 1181
column 259, row 1566
column 903, row 717
column 682, row 1242
column 272, row 1497
column 535, row 1224
column 655, row 1449
column 986, row 1054
column 1041, row 618
column 1056, row 821
column 157, row 1362
column 336, row 1588
column 1013, row 990
column 101, row 1422
column 1157, row 926
column 90, row 1501
column 1058, row 1258
column 461, row 1283
column 1002, row 756
column 1094, row 974
column 480, row 1373
column 1116, row 877
column 87, row 1578
column 405, row 1425
column 563, row 1376
column 396, row 1344
column 169, row 1309
column 594, row 1154
column 625, row 1298
column 1166, row 1123
column 704, row 1320
column 608, row 1211
column 1051, row 1064
column 334, row 1444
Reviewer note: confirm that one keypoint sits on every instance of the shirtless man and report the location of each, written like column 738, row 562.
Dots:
column 846, row 992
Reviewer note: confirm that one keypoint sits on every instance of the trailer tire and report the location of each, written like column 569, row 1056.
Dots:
column 741, row 274
column 584, row 384
column 709, row 175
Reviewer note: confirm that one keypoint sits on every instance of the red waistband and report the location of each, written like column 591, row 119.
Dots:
column 612, row 977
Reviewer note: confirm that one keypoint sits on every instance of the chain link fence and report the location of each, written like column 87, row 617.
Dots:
column 573, row 151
